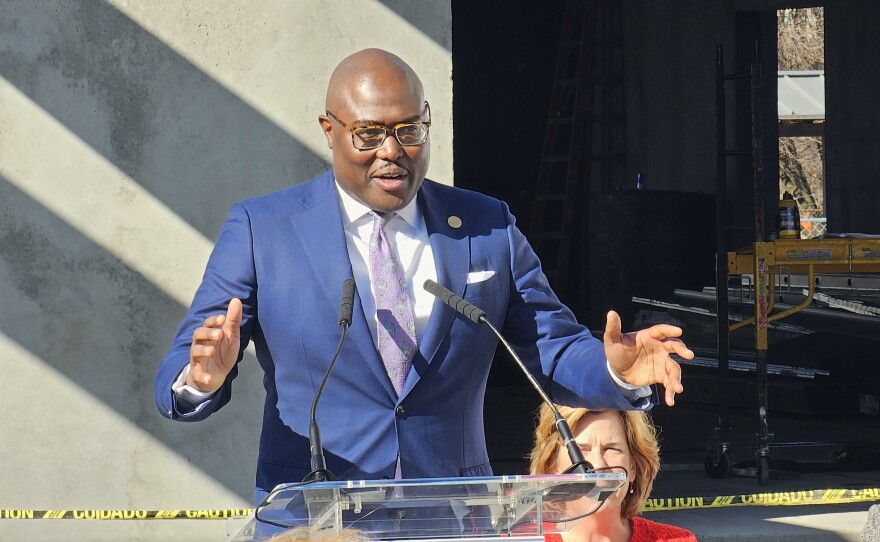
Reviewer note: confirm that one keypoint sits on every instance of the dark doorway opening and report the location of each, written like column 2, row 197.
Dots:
column 503, row 59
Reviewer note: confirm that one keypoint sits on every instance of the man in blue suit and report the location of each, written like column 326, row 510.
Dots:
column 275, row 278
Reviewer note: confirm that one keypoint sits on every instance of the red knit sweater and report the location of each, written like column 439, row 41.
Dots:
column 645, row 530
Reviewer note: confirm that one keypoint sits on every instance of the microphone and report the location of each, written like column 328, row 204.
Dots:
column 469, row 311
column 478, row 316
column 346, row 304
column 319, row 471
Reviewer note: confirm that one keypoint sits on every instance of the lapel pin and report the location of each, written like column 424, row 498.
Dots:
column 454, row 221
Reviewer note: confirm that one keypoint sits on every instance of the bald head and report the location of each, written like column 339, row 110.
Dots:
column 371, row 74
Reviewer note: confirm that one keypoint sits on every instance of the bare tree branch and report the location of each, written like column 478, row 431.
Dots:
column 801, row 47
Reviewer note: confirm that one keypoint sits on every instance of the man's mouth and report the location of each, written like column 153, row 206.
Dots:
column 392, row 179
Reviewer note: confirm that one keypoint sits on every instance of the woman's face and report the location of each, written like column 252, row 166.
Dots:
column 602, row 439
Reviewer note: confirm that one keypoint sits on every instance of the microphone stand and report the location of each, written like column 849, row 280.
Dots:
column 319, row 472
column 478, row 316
column 578, row 462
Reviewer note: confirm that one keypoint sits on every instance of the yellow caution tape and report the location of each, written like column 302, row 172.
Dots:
column 124, row 514
column 784, row 498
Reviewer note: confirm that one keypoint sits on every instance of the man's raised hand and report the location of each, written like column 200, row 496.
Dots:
column 642, row 358
column 214, row 349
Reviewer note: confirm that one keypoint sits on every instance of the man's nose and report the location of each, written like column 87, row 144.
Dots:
column 390, row 148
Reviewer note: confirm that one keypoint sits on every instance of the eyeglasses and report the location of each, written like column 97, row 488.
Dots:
column 408, row 134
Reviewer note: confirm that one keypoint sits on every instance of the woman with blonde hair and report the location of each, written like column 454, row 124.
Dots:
column 608, row 438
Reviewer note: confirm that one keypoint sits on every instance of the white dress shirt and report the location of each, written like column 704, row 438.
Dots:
column 408, row 237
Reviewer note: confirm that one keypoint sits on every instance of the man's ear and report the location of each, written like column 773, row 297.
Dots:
column 327, row 128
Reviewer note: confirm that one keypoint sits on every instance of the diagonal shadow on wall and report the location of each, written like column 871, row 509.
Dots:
column 436, row 28
column 178, row 133
column 83, row 312
column 192, row 143
column 182, row 136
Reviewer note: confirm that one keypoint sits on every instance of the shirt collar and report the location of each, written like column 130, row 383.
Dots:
column 353, row 209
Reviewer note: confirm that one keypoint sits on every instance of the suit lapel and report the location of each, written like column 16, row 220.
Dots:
column 451, row 249
column 317, row 223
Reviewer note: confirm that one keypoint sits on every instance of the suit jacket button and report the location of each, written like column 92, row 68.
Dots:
column 400, row 411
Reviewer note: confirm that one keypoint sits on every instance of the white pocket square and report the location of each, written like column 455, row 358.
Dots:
column 479, row 276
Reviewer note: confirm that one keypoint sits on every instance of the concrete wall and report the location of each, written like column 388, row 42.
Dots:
column 127, row 128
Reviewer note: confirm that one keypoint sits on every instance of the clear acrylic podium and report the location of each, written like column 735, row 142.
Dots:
column 526, row 507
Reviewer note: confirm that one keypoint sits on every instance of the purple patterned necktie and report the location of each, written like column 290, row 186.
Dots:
column 396, row 332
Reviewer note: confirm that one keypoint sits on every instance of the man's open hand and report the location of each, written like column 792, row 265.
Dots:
column 642, row 358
